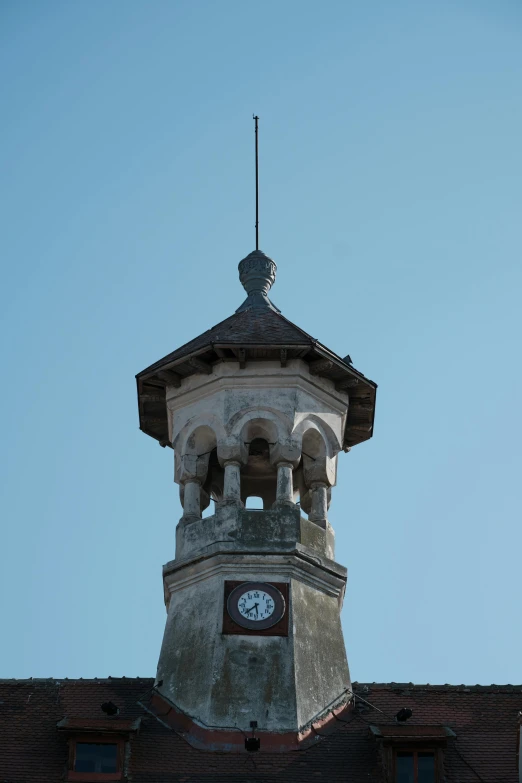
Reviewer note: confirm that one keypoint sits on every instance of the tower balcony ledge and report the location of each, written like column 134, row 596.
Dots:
column 232, row 527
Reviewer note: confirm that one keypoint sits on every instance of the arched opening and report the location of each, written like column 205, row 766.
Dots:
column 259, row 476
column 312, row 466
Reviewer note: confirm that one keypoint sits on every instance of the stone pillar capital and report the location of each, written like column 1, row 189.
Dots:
column 186, row 479
column 232, row 461
column 284, row 463
column 232, row 452
column 289, row 453
column 319, row 470
column 192, row 467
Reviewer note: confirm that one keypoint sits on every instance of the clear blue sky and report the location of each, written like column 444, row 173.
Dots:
column 391, row 202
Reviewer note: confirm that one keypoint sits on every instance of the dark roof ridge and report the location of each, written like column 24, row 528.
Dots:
column 357, row 686
column 84, row 680
column 396, row 686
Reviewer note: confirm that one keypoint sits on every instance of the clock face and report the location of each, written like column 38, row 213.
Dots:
column 256, row 605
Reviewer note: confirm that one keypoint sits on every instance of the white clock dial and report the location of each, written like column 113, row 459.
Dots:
column 255, row 605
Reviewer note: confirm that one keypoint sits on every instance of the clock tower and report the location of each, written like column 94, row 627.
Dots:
column 255, row 406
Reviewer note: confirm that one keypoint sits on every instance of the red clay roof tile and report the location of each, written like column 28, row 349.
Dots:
column 484, row 718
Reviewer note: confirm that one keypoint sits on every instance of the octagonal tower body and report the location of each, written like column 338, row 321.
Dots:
column 254, row 407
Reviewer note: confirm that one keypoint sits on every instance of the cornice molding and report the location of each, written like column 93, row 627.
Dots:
column 274, row 378
column 179, row 576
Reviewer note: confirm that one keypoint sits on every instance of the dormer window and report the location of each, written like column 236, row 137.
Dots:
column 95, row 758
column 99, row 757
column 415, row 766
column 412, row 753
column 97, row 747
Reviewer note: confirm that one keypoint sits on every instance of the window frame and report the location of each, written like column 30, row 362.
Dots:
column 96, row 739
column 415, row 751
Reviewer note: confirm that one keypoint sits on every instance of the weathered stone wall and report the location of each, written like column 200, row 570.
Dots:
column 231, row 528
column 228, row 680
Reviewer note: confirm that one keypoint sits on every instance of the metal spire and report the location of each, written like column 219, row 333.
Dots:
column 257, row 271
column 256, row 118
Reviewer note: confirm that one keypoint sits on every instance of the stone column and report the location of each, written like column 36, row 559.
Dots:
column 319, row 509
column 232, row 482
column 192, row 499
column 285, row 489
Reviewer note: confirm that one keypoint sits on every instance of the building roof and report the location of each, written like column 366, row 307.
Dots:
column 257, row 331
column 484, row 720
column 248, row 327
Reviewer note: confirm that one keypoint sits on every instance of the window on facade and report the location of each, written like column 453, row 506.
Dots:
column 96, row 757
column 414, row 767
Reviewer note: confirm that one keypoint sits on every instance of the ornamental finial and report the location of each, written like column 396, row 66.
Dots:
column 257, row 274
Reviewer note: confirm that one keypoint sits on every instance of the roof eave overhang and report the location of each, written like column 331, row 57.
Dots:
column 362, row 393
column 120, row 726
column 415, row 734
column 152, row 382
